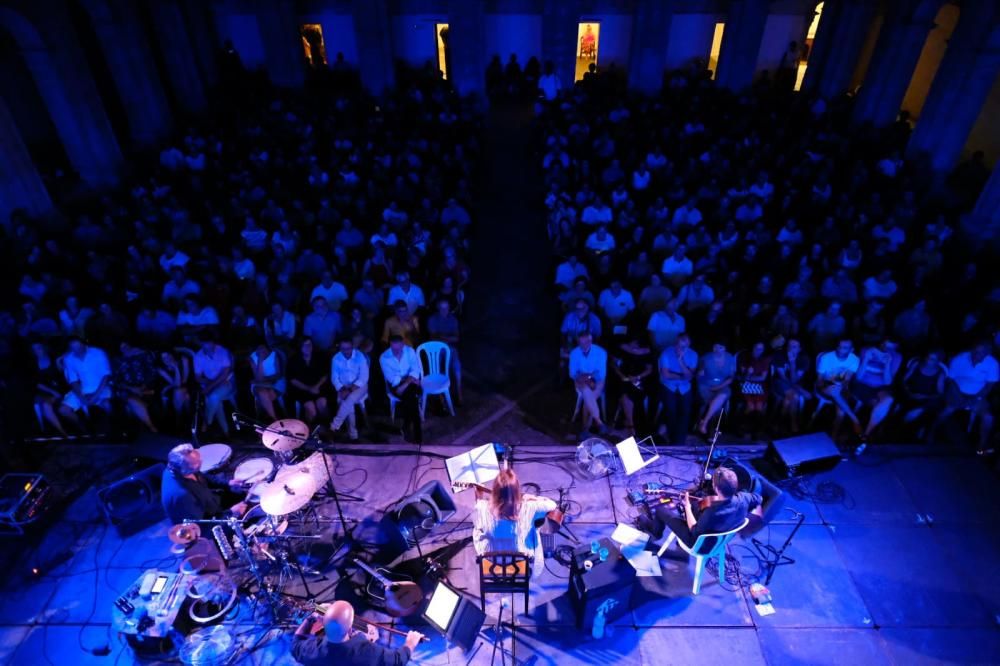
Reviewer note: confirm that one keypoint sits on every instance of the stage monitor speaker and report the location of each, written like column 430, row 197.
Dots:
column 134, row 502
column 805, row 454
column 413, row 517
column 751, row 481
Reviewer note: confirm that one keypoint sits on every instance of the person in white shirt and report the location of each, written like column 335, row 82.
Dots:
column 213, row 370
column 267, row 381
column 834, row 370
column 406, row 291
column 615, row 303
column 172, row 257
column 677, row 267
column 243, row 268
column 971, row 377
column 881, row 286
column 600, row 241
column 597, row 212
column 279, row 327
column 665, row 325
column 332, row 291
column 349, row 375
column 402, row 371
column 687, row 215
column 88, row 373
column 762, row 189
column 568, row 271
column 549, row 83
column 588, row 368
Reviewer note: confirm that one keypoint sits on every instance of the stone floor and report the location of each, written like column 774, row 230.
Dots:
column 874, row 580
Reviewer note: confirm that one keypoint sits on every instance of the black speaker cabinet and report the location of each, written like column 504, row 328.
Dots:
column 413, row 517
column 134, row 502
column 805, row 454
column 605, row 588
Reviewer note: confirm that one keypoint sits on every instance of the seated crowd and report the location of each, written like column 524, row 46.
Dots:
column 758, row 255
column 260, row 265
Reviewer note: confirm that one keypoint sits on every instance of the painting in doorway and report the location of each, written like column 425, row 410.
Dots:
column 588, row 42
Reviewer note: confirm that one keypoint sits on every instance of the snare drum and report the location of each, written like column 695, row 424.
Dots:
column 254, row 470
column 214, row 456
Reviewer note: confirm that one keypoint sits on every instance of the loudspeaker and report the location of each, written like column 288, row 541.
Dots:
column 805, row 454
column 751, row 481
column 134, row 502
column 413, row 517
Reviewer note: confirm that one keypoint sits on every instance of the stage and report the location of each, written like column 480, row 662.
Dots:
column 894, row 565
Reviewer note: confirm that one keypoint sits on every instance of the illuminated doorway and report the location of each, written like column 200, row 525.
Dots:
column 713, row 53
column 807, row 47
column 441, row 40
column 588, row 37
column 312, row 44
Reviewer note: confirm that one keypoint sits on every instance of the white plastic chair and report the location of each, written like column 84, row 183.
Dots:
column 706, row 546
column 437, row 377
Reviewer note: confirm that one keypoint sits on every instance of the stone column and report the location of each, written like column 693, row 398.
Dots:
column 741, row 43
column 466, row 45
column 178, row 54
column 74, row 105
column 560, row 22
column 279, row 30
column 983, row 223
column 371, row 30
column 20, row 184
column 130, row 60
column 843, row 28
column 206, row 43
column 650, row 37
column 961, row 85
column 896, row 53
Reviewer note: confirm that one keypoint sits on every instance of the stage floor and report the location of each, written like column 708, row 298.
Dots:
column 874, row 581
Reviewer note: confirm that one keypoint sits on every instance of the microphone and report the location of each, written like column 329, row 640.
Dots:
column 236, row 420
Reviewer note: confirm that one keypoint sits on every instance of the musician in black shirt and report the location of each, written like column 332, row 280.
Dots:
column 189, row 494
column 342, row 645
column 724, row 511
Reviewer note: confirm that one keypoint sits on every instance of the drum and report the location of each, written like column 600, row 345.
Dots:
column 253, row 470
column 214, row 456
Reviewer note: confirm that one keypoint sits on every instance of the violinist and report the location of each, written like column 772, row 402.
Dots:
column 722, row 511
column 342, row 645
column 505, row 520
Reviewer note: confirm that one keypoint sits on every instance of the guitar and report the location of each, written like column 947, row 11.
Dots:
column 402, row 596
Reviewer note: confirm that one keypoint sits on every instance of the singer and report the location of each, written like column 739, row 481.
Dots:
column 188, row 494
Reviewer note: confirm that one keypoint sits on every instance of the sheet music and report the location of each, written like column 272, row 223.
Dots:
column 631, row 453
column 479, row 465
column 633, row 545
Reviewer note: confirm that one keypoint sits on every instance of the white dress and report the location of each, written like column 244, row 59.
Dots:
column 490, row 534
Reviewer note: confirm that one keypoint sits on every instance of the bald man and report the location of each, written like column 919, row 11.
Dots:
column 341, row 645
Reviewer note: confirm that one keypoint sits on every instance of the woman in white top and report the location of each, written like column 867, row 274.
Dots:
column 268, row 382
column 505, row 520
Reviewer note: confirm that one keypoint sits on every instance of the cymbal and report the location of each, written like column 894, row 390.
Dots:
column 287, row 494
column 184, row 534
column 285, row 435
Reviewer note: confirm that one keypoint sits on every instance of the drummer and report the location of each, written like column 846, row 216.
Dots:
column 188, row 494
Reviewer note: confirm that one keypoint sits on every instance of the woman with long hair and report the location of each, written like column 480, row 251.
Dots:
column 505, row 520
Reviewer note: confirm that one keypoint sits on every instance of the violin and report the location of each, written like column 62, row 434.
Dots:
column 702, row 502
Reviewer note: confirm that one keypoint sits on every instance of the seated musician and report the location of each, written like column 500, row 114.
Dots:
column 188, row 494
column 342, row 645
column 505, row 521
column 723, row 511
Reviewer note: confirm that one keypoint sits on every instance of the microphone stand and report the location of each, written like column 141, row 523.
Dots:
column 700, row 482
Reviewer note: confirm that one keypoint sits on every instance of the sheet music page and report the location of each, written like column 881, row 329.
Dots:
column 476, row 466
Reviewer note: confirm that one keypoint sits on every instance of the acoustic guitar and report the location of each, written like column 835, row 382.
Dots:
column 402, row 596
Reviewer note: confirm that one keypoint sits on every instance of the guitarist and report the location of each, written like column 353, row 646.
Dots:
column 504, row 520
column 342, row 646
column 724, row 510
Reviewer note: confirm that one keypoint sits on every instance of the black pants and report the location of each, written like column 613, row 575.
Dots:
column 677, row 413
column 666, row 516
column 409, row 409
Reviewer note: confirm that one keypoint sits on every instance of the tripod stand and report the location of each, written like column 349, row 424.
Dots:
column 770, row 557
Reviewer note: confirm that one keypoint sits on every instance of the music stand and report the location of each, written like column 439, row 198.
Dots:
column 454, row 615
column 637, row 455
column 478, row 465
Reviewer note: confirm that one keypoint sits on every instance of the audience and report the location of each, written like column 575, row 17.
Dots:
column 737, row 219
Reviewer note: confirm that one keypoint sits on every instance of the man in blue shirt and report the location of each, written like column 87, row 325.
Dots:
column 677, row 365
column 588, row 368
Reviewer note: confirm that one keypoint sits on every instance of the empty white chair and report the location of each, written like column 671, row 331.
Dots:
column 437, row 377
column 706, row 546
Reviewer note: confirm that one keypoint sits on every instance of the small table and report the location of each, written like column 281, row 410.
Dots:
column 608, row 584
